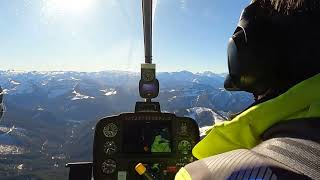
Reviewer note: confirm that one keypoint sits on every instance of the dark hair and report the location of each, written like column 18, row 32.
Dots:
column 288, row 7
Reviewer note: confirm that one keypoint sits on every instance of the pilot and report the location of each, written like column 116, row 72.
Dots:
column 274, row 54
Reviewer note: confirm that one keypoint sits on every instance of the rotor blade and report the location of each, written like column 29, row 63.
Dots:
column 147, row 27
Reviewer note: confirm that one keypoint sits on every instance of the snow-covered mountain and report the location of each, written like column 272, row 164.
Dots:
column 42, row 90
column 50, row 116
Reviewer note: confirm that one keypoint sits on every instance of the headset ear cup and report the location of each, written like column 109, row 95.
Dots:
column 236, row 61
column 233, row 57
column 231, row 84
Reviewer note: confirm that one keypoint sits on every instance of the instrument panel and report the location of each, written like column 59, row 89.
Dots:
column 161, row 141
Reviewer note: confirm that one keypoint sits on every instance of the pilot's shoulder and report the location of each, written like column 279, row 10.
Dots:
column 238, row 164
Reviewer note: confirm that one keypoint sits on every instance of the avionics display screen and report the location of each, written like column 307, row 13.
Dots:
column 147, row 137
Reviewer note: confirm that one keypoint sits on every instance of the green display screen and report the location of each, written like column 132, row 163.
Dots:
column 147, row 137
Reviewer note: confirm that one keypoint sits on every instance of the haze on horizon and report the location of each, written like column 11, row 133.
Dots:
column 98, row 35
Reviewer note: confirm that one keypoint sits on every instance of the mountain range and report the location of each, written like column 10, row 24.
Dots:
column 50, row 116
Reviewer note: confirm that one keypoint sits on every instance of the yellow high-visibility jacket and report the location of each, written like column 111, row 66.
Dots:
column 244, row 131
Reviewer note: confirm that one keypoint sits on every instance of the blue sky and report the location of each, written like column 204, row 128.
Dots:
column 96, row 35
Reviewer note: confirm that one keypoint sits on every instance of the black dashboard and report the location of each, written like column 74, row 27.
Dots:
column 160, row 141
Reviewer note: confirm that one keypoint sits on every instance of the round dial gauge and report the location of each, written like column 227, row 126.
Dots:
column 109, row 166
column 147, row 75
column 184, row 147
column 110, row 147
column 110, row 130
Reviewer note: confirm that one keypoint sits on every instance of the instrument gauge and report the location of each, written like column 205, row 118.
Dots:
column 110, row 130
column 110, row 147
column 109, row 166
column 184, row 147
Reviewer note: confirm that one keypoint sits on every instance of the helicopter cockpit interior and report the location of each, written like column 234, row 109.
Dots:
column 145, row 144
column 76, row 102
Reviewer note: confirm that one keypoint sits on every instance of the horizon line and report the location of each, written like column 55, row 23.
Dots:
column 110, row 70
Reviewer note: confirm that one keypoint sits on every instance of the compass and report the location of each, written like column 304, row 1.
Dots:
column 148, row 75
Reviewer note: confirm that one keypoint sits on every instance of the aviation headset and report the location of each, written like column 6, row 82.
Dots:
column 260, row 47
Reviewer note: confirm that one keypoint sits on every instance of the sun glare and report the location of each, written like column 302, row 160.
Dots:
column 76, row 7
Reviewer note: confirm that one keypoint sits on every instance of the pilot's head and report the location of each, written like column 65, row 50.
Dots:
column 1, row 102
column 275, row 46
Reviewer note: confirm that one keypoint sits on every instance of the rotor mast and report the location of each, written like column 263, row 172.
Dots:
column 147, row 28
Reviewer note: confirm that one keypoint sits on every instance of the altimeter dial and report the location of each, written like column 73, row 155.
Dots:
column 109, row 166
column 110, row 130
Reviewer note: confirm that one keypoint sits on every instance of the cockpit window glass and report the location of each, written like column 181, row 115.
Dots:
column 66, row 63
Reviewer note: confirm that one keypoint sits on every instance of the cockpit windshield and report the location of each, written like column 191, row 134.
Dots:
column 66, row 63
